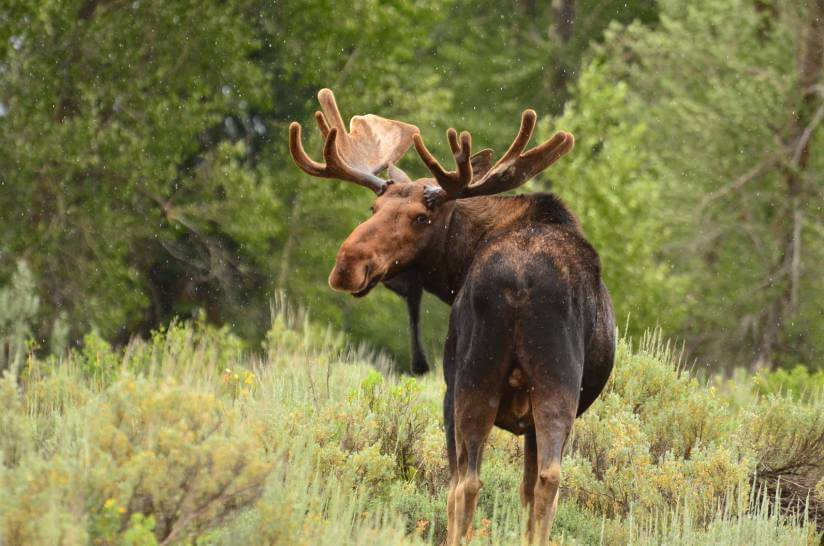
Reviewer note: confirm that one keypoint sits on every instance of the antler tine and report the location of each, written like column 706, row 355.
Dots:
column 306, row 163
column 323, row 125
column 452, row 182
column 550, row 151
column 335, row 166
column 516, row 167
column 330, row 108
column 528, row 118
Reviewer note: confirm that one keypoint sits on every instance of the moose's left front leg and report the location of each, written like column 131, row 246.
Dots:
column 408, row 285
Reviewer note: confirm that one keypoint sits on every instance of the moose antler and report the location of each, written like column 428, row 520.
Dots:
column 370, row 146
column 511, row 171
column 452, row 182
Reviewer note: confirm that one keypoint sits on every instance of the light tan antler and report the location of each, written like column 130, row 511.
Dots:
column 514, row 169
column 370, row 146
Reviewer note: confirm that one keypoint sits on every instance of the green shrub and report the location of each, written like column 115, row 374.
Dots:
column 799, row 381
column 182, row 456
column 655, row 438
column 98, row 361
column 186, row 438
column 16, row 439
column 18, row 310
column 788, row 440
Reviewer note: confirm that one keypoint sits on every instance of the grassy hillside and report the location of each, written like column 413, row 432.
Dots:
column 184, row 439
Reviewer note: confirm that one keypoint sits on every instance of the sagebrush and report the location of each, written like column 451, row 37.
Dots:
column 187, row 438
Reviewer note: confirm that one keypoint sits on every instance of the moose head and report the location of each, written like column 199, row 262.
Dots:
column 406, row 213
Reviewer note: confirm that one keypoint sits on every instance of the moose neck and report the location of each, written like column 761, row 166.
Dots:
column 465, row 226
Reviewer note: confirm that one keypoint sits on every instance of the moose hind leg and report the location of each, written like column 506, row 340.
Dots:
column 553, row 411
column 452, row 455
column 473, row 428
column 475, row 415
column 483, row 346
column 530, row 475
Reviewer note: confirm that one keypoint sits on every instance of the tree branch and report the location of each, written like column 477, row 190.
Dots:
column 759, row 170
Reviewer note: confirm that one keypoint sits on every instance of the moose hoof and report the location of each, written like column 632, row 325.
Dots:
column 420, row 366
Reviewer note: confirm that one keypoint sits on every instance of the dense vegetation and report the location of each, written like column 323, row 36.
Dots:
column 151, row 394
column 184, row 439
column 144, row 172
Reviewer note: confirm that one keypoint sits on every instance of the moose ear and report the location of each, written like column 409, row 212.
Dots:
column 481, row 163
column 433, row 195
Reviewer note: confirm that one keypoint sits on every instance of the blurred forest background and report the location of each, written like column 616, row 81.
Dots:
column 144, row 170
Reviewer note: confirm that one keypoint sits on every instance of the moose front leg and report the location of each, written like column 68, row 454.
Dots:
column 409, row 286
column 413, row 305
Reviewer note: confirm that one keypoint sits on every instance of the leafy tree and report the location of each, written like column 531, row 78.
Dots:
column 144, row 171
column 610, row 182
column 730, row 96
column 113, row 185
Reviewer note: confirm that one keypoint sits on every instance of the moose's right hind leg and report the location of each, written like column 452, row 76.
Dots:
column 530, row 475
column 553, row 409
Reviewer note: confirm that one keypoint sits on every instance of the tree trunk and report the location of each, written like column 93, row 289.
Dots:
column 560, row 32
column 563, row 20
column 288, row 246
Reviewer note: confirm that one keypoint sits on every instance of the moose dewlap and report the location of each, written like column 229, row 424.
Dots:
column 531, row 334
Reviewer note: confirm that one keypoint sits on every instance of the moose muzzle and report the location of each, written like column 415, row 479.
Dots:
column 354, row 272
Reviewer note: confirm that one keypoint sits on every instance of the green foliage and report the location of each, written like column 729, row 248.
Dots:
column 143, row 157
column 106, row 107
column 719, row 105
column 99, row 361
column 631, row 456
column 148, row 178
column 174, row 453
column 798, row 381
column 185, row 439
column 609, row 184
column 18, row 309
column 788, row 439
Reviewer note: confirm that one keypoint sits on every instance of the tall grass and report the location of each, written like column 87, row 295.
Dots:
column 188, row 438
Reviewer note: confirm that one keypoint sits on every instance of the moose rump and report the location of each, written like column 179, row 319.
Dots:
column 514, row 358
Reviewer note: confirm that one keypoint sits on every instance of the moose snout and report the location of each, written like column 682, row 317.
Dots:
column 352, row 272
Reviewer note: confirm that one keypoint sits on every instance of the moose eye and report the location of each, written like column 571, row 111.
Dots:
column 423, row 219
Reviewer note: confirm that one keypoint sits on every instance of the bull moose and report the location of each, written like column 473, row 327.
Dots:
column 531, row 339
